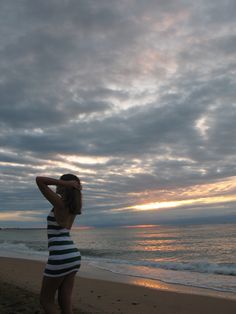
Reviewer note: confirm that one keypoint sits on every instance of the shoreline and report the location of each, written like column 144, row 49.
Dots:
column 91, row 272
column 100, row 291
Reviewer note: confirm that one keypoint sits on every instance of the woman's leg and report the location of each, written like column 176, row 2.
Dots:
column 47, row 294
column 65, row 293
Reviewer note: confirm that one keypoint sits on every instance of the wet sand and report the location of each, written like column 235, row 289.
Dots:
column 20, row 282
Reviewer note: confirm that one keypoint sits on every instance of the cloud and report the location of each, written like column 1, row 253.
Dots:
column 147, row 88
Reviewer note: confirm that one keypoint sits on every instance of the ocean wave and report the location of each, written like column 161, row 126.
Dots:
column 22, row 247
column 121, row 257
column 131, row 254
column 95, row 253
column 201, row 267
column 228, row 269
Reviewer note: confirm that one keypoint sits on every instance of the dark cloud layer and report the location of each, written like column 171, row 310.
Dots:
column 136, row 97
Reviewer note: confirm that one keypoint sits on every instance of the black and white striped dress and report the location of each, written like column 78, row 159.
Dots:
column 64, row 257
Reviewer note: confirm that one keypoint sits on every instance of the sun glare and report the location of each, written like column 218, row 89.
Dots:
column 85, row 159
column 140, row 226
column 172, row 204
column 20, row 215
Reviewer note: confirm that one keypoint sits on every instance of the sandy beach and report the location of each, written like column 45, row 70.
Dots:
column 20, row 282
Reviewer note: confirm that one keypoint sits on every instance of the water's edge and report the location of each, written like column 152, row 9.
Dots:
column 90, row 271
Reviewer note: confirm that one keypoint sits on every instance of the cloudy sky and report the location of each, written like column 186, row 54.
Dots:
column 136, row 97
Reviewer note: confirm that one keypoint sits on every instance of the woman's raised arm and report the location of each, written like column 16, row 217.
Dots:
column 49, row 194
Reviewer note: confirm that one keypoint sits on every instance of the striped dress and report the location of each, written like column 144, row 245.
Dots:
column 64, row 257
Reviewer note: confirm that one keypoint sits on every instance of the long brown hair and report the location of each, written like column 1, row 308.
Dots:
column 72, row 197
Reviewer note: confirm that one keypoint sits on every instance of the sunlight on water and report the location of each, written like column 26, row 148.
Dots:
column 151, row 284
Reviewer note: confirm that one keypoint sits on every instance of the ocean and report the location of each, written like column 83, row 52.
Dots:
column 192, row 255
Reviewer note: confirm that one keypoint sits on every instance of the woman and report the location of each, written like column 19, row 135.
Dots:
column 64, row 257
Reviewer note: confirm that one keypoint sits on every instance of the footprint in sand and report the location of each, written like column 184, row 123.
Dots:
column 134, row 303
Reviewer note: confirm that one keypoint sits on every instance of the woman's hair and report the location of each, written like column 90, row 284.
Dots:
column 72, row 196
